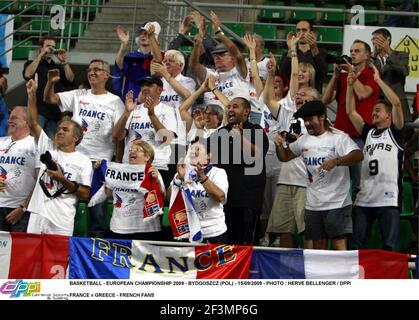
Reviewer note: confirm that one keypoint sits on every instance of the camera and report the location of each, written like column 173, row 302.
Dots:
column 55, row 51
column 46, row 159
column 295, row 128
column 338, row 60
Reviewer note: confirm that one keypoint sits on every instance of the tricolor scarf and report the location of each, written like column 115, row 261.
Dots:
column 114, row 176
column 183, row 217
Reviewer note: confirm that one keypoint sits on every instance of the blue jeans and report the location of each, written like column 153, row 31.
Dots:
column 355, row 170
column 388, row 221
column 49, row 126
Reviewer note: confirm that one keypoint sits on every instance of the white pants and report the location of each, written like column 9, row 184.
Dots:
column 39, row 224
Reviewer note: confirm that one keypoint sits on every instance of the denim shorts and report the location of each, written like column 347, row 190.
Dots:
column 328, row 224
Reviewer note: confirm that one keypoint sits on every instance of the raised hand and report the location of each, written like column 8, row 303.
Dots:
column 54, row 75
column 292, row 40
column 62, row 55
column 122, row 35
column 215, row 21
column 185, row 27
column 149, row 105
column 32, row 85
column 129, row 101
column 310, row 38
column 377, row 75
column 159, row 69
column 250, row 42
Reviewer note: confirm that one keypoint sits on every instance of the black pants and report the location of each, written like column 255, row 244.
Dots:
column 241, row 224
column 20, row 226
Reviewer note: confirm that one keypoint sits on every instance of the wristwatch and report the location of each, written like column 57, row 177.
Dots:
column 24, row 209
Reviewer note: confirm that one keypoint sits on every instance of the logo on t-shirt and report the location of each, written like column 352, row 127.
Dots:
column 118, row 201
column 3, row 173
column 137, row 135
column 84, row 125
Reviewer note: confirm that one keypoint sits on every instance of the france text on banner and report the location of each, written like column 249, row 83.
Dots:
column 32, row 256
column 326, row 264
column 125, row 259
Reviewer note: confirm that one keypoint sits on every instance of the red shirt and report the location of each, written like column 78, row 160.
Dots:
column 364, row 107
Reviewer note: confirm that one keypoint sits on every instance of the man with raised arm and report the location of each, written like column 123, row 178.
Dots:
column 64, row 177
column 381, row 171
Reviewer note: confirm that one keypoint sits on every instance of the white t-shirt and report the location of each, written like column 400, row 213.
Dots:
column 128, row 200
column 97, row 115
column 262, row 67
column 76, row 167
column 17, row 167
column 210, row 212
column 139, row 126
column 326, row 190
column 204, row 132
column 230, row 83
column 293, row 172
column 171, row 98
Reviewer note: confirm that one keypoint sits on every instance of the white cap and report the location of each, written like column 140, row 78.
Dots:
column 156, row 25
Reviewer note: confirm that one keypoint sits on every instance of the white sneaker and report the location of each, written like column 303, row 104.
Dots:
column 276, row 243
column 264, row 242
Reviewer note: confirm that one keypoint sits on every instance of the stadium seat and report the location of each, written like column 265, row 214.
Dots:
column 75, row 28
column 109, row 212
column 407, row 200
column 22, row 52
column 237, row 28
column 81, row 221
column 406, row 235
column 303, row 15
column 165, row 221
column 330, row 35
column 38, row 25
column 334, row 17
column 288, row 29
column 265, row 31
column 371, row 19
column 272, row 14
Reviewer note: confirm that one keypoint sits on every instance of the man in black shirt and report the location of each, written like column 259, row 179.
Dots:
column 240, row 148
column 307, row 51
column 49, row 114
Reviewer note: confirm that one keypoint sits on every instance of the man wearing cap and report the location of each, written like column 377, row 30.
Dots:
column 230, row 65
column 240, row 148
column 134, row 66
column 327, row 153
column 151, row 121
column 97, row 111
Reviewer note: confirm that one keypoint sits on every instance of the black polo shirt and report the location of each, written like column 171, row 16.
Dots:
column 246, row 173
column 49, row 111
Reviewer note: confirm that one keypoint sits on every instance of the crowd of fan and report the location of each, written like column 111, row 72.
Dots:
column 246, row 140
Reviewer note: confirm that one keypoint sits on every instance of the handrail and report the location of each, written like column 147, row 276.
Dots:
column 289, row 8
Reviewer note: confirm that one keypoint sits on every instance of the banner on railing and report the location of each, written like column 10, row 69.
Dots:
column 30, row 256
column 6, row 43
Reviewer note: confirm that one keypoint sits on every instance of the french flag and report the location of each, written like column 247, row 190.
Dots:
column 327, row 264
column 132, row 259
column 33, row 256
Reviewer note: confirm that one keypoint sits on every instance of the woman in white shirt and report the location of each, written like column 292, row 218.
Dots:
column 128, row 220
column 208, row 186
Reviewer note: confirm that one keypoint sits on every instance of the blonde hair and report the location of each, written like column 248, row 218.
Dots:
column 148, row 149
column 309, row 67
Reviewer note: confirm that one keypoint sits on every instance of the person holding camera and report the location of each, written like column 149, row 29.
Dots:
column 381, row 174
column 366, row 92
column 64, row 177
column 49, row 114
column 326, row 153
column 287, row 214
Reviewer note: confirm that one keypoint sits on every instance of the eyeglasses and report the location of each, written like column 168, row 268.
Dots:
column 136, row 150
column 95, row 70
